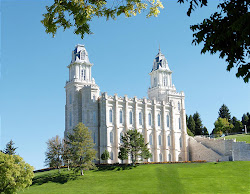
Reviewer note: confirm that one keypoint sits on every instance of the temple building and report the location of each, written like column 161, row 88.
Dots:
column 161, row 117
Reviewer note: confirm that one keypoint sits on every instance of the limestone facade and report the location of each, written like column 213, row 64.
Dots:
column 161, row 118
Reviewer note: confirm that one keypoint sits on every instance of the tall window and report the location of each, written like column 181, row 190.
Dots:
column 111, row 155
column 111, row 137
column 130, row 117
column 155, row 81
column 82, row 72
column 159, row 140
column 159, row 120
column 168, row 121
column 94, row 117
column 120, row 116
column 169, row 141
column 82, row 55
column 94, row 98
column 169, row 157
column 179, row 106
column 160, row 157
column 150, row 139
column 70, row 119
column 140, row 118
column 180, row 142
column 94, row 137
column 149, row 119
column 179, row 123
column 121, row 135
column 70, row 98
column 110, row 116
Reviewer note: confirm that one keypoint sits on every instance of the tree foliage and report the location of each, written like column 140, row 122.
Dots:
column 224, row 112
column 191, row 124
column 227, row 32
column 133, row 144
column 222, row 126
column 15, row 174
column 123, row 154
column 198, row 124
column 81, row 148
column 105, row 155
column 10, row 149
column 54, row 153
column 79, row 13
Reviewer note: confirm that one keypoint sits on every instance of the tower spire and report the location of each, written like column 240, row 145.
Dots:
column 159, row 48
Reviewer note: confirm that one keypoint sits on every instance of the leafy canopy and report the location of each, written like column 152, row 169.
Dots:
column 15, row 174
column 78, row 13
column 133, row 146
column 222, row 126
column 105, row 155
column 81, row 148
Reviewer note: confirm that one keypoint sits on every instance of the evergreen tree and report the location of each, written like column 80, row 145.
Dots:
column 237, row 127
column 198, row 124
column 191, row 124
column 133, row 145
column 246, row 121
column 123, row 154
column 189, row 132
column 224, row 112
column 53, row 155
column 105, row 155
column 204, row 131
column 10, row 149
column 81, row 148
column 233, row 120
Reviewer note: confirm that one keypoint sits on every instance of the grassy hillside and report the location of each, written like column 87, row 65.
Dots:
column 240, row 137
column 223, row 177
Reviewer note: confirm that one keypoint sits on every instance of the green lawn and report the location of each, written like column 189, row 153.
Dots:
column 222, row 177
column 239, row 137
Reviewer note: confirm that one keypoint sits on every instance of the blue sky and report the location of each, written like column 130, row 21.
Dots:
column 33, row 69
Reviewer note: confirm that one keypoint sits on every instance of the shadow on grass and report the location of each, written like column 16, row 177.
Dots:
column 114, row 167
column 53, row 177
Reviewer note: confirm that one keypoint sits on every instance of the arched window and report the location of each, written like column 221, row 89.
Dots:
column 94, row 98
column 110, row 115
column 70, row 98
column 168, row 121
column 120, row 116
column 83, row 72
column 159, row 140
column 180, row 142
column 169, row 157
column 160, row 157
column 179, row 106
column 159, row 120
column 150, row 139
column 111, row 156
column 130, row 117
column 94, row 117
column 169, row 141
column 70, row 119
column 111, row 137
column 121, row 135
column 149, row 119
column 179, row 123
column 140, row 118
column 82, row 55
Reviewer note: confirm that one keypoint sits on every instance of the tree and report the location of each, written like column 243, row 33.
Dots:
column 204, row 131
column 237, row 127
column 221, row 126
column 133, row 144
column 10, row 149
column 66, row 155
column 15, row 174
column 81, row 148
column 105, row 155
column 191, row 124
column 198, row 124
column 123, row 154
column 54, row 153
column 224, row 112
column 82, row 12
column 245, row 121
column 189, row 132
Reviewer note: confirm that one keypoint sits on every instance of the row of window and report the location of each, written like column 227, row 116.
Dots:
column 111, row 139
column 140, row 118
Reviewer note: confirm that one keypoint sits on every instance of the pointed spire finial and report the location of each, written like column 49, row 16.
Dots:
column 159, row 48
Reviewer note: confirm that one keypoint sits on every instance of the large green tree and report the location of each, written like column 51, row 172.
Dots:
column 225, row 32
column 133, row 144
column 81, row 148
column 105, row 155
column 198, row 124
column 222, row 126
column 191, row 124
column 15, row 174
column 224, row 112
column 54, row 153
column 10, row 148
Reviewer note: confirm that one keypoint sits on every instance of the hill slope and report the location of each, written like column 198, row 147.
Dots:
column 223, row 177
column 239, row 137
